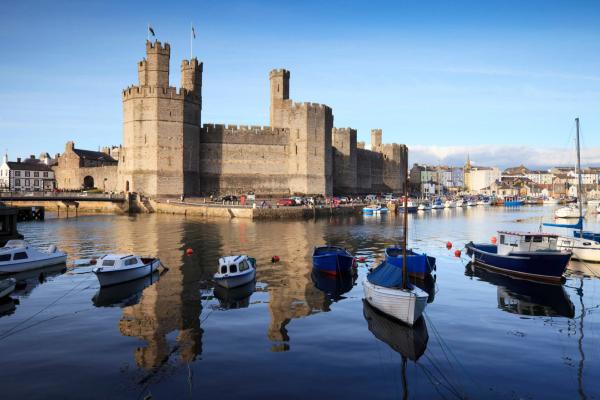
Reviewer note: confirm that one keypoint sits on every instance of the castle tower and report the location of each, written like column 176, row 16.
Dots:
column 280, row 92
column 161, row 128
column 154, row 69
column 376, row 139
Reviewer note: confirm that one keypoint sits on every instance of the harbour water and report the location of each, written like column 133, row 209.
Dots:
column 295, row 334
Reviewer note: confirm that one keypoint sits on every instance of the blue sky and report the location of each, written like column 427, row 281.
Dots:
column 446, row 77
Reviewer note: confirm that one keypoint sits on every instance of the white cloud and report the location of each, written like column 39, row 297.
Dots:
column 501, row 156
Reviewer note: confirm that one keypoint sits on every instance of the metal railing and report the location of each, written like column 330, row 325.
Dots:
column 62, row 195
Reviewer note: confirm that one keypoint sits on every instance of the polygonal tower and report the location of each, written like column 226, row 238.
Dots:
column 161, row 128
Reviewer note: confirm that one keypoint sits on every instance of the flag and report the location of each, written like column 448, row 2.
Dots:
column 193, row 32
column 151, row 30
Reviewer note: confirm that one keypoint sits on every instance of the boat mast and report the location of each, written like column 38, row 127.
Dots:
column 579, row 180
column 405, row 228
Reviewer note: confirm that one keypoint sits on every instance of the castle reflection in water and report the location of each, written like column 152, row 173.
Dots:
column 174, row 302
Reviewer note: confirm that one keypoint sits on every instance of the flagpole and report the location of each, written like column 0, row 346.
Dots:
column 191, row 41
column 148, row 33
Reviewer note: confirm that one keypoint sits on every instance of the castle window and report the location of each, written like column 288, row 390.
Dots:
column 297, row 133
column 278, row 88
column 296, row 149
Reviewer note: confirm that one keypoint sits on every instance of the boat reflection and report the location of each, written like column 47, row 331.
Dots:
column 238, row 297
column 587, row 269
column 27, row 281
column 524, row 297
column 410, row 342
column 427, row 284
column 334, row 286
column 124, row 294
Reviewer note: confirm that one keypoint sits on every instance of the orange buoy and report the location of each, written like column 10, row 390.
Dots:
column 457, row 253
column 449, row 245
column 189, row 251
column 275, row 259
column 493, row 240
column 93, row 261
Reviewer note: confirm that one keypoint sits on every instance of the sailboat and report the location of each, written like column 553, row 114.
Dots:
column 582, row 244
column 387, row 287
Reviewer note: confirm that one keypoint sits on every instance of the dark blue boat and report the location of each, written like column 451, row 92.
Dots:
column 528, row 255
column 332, row 260
column 419, row 265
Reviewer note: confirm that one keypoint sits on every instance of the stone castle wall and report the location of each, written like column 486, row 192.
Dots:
column 241, row 159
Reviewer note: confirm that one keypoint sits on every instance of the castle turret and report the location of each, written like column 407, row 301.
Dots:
column 280, row 92
column 154, row 69
column 191, row 76
column 375, row 139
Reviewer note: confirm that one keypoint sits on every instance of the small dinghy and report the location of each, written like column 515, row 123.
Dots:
column 235, row 271
column 419, row 264
column 7, row 286
column 332, row 260
column 120, row 268
column 523, row 254
column 19, row 256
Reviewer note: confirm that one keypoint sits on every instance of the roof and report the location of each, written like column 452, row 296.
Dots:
column 94, row 155
column 28, row 166
column 529, row 233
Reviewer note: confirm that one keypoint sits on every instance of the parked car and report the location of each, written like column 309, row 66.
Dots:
column 286, row 202
column 229, row 197
column 298, row 200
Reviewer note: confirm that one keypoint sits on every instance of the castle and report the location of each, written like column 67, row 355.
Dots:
column 167, row 152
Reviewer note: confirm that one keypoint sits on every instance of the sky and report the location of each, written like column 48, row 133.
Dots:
column 501, row 81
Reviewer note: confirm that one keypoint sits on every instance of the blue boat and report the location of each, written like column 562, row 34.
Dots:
column 418, row 265
column 332, row 260
column 512, row 202
column 526, row 255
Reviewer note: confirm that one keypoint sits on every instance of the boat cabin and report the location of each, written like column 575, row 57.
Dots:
column 233, row 265
column 120, row 261
column 526, row 242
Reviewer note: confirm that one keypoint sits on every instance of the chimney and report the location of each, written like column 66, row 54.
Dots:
column 18, row 159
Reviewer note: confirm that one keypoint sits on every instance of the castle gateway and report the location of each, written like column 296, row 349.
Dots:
column 167, row 152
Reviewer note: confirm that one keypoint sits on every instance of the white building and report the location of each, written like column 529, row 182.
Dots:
column 540, row 177
column 20, row 176
column 482, row 177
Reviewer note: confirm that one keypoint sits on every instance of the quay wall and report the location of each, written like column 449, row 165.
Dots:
column 251, row 213
column 105, row 207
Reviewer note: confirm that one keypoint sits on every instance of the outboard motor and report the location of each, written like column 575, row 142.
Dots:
column 52, row 249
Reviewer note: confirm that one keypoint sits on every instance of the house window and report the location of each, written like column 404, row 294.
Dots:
column 45, row 174
column 27, row 183
column 36, row 174
column 17, row 173
column 26, row 173
column 36, row 182
column 17, row 182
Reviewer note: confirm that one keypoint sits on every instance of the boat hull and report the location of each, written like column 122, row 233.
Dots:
column 404, row 305
column 544, row 266
column 12, row 268
column 333, row 264
column 236, row 280
column 114, row 277
column 582, row 249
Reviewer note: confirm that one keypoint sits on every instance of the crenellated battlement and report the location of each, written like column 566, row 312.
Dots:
column 236, row 129
column 279, row 72
column 133, row 92
column 158, row 47
column 310, row 106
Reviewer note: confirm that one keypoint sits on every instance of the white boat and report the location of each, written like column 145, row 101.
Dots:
column 593, row 204
column 582, row 249
column 486, row 201
column 387, row 287
column 235, row 271
column 119, row 268
column 437, row 205
column 551, row 201
column 449, row 204
column 568, row 211
column 460, row 203
column 471, row 203
column 424, row 206
column 7, row 286
column 407, row 305
column 19, row 256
